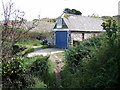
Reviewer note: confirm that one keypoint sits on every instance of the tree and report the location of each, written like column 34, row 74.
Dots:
column 13, row 69
column 72, row 11
column 111, row 29
column 13, row 20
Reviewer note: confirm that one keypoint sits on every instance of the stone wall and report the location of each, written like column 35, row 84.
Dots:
column 80, row 36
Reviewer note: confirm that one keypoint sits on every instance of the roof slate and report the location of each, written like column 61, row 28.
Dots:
column 83, row 23
column 42, row 26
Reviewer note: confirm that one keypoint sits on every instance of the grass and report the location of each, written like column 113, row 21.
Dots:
column 47, row 46
column 33, row 42
column 42, row 82
column 39, row 83
column 27, row 50
column 50, row 79
column 60, row 54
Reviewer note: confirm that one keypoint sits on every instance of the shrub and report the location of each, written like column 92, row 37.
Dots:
column 14, row 74
column 17, row 49
column 99, row 67
column 74, row 55
column 42, row 71
column 27, row 50
column 39, row 66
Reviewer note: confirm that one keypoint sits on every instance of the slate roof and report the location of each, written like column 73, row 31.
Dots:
column 83, row 23
column 43, row 26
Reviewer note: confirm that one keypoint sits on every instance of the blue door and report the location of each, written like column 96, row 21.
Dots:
column 61, row 39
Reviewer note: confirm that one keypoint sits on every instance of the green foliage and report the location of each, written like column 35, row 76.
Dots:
column 106, row 17
column 33, row 42
column 17, row 49
column 52, row 20
column 22, row 30
column 27, row 50
column 75, row 54
column 39, row 83
column 39, row 66
column 30, row 39
column 28, row 72
column 11, row 66
column 14, row 74
column 50, row 80
column 98, row 68
column 67, row 15
column 42, row 71
column 111, row 30
column 47, row 46
column 72, row 11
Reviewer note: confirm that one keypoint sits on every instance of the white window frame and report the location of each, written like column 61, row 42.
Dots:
column 59, row 23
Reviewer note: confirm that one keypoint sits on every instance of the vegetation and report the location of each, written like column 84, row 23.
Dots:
column 27, row 50
column 42, row 71
column 67, row 15
column 72, row 11
column 24, row 72
column 94, row 63
column 52, row 20
column 14, row 74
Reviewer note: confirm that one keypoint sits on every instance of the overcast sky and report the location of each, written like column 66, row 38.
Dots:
column 54, row 8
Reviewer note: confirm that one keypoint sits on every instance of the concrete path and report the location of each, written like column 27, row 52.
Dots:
column 44, row 52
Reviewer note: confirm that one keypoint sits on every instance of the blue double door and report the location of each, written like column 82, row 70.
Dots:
column 61, row 39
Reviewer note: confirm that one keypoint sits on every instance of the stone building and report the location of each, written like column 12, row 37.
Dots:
column 71, row 29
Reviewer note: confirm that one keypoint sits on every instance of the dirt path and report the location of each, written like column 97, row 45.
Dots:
column 58, row 61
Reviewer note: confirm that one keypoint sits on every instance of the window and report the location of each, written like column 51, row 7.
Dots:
column 75, row 43
column 59, row 23
column 82, row 36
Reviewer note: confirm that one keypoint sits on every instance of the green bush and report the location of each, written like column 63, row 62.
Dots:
column 42, row 71
column 100, row 69
column 39, row 83
column 100, row 65
column 26, row 51
column 39, row 66
column 14, row 74
column 25, row 72
column 74, row 55
column 50, row 80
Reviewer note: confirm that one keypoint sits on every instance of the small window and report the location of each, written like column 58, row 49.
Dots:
column 75, row 43
column 82, row 36
column 59, row 23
